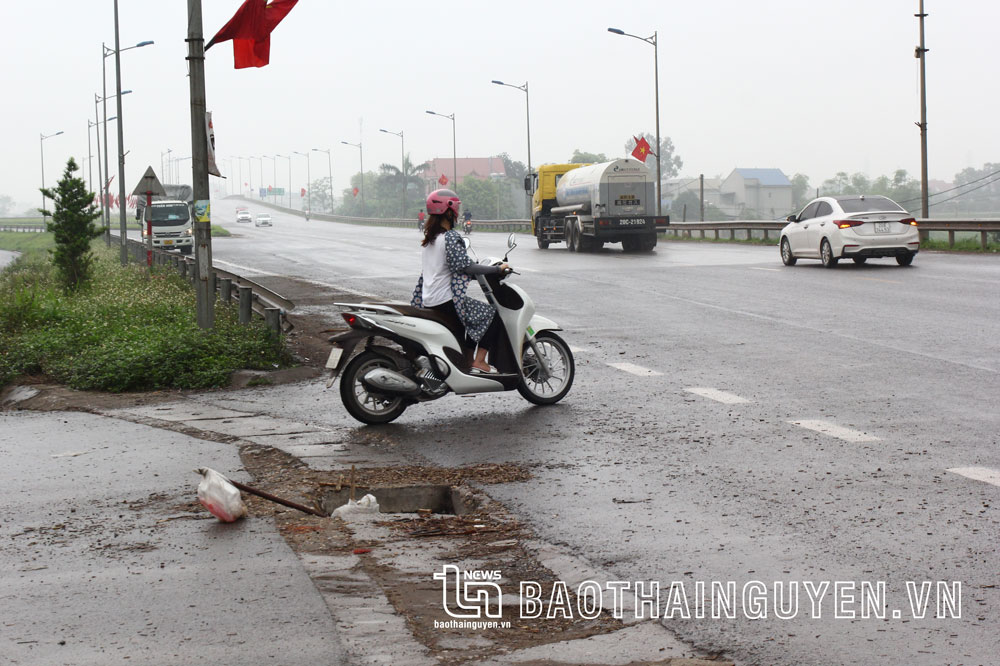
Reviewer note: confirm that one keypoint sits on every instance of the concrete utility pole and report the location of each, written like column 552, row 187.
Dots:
column 199, row 167
column 920, row 51
column 701, row 194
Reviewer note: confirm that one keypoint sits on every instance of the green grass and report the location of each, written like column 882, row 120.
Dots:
column 961, row 245
column 25, row 241
column 21, row 222
column 125, row 331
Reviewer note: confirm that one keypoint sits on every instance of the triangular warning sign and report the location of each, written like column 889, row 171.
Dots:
column 149, row 184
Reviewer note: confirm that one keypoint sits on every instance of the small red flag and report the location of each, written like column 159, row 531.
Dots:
column 355, row 191
column 443, row 180
column 303, row 192
column 250, row 29
column 641, row 150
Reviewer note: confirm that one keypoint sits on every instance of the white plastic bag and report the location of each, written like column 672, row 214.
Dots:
column 219, row 496
column 366, row 505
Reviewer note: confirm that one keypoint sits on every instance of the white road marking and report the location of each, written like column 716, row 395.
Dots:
column 579, row 350
column 984, row 474
column 758, row 268
column 834, row 430
column 717, row 395
column 636, row 369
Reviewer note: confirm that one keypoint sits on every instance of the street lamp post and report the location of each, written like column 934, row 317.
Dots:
column 274, row 173
column 454, row 153
column 41, row 145
column 106, row 183
column 527, row 106
column 402, row 168
column 307, row 206
column 329, row 162
column 122, row 201
column 656, row 75
column 362, row 156
column 289, row 158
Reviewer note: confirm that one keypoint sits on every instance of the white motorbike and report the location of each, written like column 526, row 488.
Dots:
column 414, row 355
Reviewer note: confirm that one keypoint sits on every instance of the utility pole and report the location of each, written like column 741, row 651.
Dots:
column 701, row 194
column 199, row 167
column 924, row 206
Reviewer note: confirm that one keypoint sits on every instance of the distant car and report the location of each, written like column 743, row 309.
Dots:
column 856, row 227
column 243, row 215
column 263, row 220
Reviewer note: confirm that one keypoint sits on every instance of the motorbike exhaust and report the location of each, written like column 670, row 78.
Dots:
column 390, row 382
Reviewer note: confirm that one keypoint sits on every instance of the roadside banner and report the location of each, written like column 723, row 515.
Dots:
column 210, row 132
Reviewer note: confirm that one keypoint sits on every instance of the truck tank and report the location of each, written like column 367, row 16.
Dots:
column 618, row 188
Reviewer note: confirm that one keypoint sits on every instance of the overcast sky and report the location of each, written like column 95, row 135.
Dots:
column 805, row 86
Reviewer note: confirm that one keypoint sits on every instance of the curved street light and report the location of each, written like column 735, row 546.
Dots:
column 402, row 168
column 329, row 162
column 454, row 153
column 656, row 74
column 41, row 146
column 527, row 106
column 362, row 155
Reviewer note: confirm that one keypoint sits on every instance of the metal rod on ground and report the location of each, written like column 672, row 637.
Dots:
column 268, row 496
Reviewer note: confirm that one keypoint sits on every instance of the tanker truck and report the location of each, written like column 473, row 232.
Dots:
column 588, row 205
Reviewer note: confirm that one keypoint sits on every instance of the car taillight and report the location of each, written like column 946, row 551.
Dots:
column 350, row 319
column 910, row 221
column 846, row 224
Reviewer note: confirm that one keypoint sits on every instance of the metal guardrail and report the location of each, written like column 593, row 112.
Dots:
column 23, row 228
column 249, row 295
column 984, row 227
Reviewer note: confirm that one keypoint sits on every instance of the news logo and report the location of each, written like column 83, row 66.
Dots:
column 469, row 595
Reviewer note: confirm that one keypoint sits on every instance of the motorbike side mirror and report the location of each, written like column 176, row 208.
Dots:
column 468, row 248
column 511, row 242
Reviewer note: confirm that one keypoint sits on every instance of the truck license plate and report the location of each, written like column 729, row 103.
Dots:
column 168, row 242
column 882, row 228
column 631, row 221
column 334, row 358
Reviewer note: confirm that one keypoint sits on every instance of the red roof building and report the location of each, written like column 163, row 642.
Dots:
column 475, row 167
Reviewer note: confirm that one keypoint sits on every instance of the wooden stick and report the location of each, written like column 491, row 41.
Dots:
column 278, row 500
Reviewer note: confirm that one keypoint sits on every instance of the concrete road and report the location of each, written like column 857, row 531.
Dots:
column 733, row 421
column 104, row 561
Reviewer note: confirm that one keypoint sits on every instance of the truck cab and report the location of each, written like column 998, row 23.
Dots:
column 169, row 222
column 543, row 185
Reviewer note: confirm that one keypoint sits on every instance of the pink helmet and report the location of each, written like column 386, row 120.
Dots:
column 439, row 201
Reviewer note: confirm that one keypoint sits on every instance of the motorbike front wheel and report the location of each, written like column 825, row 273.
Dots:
column 543, row 387
column 370, row 408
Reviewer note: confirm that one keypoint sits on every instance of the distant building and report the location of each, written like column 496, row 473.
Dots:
column 756, row 193
column 475, row 167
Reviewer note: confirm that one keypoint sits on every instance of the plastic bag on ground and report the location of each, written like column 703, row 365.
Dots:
column 219, row 496
column 366, row 505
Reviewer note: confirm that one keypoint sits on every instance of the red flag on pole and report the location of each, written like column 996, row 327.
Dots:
column 443, row 180
column 303, row 192
column 641, row 150
column 355, row 191
column 250, row 29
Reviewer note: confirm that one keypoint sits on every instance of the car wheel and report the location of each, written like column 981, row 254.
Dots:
column 787, row 258
column 826, row 254
column 904, row 259
column 859, row 260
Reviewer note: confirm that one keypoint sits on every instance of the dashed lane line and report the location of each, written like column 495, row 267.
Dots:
column 834, row 430
column 760, row 268
column 637, row 370
column 717, row 395
column 984, row 474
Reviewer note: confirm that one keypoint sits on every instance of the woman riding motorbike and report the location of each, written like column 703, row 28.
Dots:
column 445, row 276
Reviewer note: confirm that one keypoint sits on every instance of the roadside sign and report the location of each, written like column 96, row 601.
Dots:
column 149, row 184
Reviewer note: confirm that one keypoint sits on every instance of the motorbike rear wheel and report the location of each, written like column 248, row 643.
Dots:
column 541, row 387
column 370, row 408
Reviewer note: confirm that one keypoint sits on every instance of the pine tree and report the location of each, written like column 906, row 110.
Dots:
column 73, row 226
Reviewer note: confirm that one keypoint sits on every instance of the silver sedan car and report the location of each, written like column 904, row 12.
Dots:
column 855, row 226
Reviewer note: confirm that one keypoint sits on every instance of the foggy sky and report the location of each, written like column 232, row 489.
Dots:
column 805, row 86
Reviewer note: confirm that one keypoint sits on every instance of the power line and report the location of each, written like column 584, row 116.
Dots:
column 962, row 194
column 957, row 187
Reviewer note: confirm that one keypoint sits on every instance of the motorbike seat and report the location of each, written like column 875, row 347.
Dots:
column 447, row 320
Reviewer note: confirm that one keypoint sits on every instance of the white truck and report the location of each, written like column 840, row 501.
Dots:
column 169, row 219
column 610, row 202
